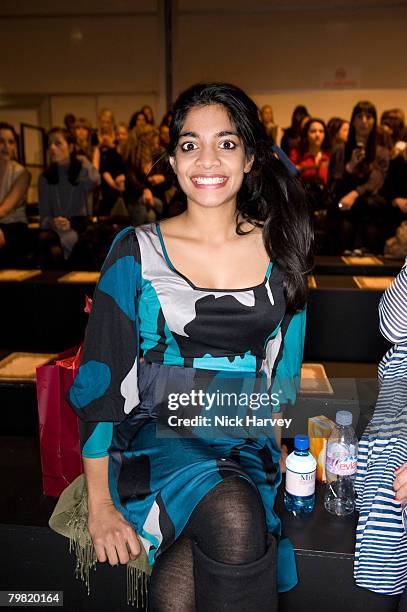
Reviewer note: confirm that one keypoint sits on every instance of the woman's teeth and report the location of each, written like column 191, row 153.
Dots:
column 206, row 180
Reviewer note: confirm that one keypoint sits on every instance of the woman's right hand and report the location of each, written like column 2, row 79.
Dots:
column 358, row 155
column 62, row 223
column 113, row 537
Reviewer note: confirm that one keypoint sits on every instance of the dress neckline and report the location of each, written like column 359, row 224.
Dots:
column 195, row 287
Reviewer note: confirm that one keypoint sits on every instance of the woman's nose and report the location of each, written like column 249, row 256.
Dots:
column 208, row 157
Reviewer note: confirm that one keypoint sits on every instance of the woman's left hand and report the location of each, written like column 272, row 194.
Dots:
column 400, row 483
column 348, row 200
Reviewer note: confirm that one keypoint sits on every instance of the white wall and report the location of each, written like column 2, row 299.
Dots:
column 15, row 116
column 122, row 105
column 79, row 57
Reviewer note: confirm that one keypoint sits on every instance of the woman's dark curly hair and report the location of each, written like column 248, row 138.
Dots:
column 51, row 172
column 269, row 197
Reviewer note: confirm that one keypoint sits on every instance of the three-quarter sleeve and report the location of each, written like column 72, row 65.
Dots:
column 393, row 309
column 105, row 389
column 283, row 358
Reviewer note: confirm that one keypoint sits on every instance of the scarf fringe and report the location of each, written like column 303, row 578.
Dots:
column 137, row 586
column 81, row 544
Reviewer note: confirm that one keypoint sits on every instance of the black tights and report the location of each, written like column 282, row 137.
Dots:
column 229, row 526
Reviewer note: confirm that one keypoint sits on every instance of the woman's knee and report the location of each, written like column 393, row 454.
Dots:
column 229, row 524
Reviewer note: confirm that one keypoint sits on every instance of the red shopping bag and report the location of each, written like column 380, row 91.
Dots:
column 58, row 424
column 60, row 450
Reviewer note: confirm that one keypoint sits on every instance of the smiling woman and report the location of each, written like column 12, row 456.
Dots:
column 214, row 297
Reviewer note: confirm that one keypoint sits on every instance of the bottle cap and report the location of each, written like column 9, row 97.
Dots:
column 301, row 443
column 343, row 417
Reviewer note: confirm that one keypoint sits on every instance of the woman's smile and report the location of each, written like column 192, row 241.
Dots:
column 209, row 181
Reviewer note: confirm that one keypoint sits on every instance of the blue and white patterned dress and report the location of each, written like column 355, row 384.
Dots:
column 381, row 542
column 183, row 331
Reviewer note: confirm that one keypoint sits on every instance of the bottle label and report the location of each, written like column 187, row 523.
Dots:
column 341, row 459
column 299, row 483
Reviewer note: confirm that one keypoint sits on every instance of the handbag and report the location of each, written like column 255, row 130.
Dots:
column 61, row 458
column 60, row 451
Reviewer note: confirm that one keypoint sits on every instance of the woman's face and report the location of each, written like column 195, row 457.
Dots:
column 8, row 145
column 363, row 124
column 122, row 135
column 165, row 134
column 81, row 133
column 267, row 114
column 210, row 159
column 141, row 120
column 59, row 149
column 343, row 132
column 106, row 124
column 316, row 134
column 148, row 111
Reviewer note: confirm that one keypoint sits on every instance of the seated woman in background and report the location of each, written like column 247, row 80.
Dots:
column 356, row 174
column 395, row 190
column 148, row 113
column 292, row 134
column 112, row 171
column 105, row 136
column 137, row 120
column 83, row 138
column 312, row 160
column 14, row 183
column 338, row 132
column 393, row 122
column 267, row 119
column 63, row 190
column 144, row 206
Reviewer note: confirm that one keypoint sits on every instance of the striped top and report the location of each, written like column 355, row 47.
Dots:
column 393, row 326
column 381, row 542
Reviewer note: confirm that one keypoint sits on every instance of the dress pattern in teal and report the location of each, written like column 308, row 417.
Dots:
column 150, row 331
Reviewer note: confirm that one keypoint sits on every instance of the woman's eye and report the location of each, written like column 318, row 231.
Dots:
column 188, row 146
column 227, row 144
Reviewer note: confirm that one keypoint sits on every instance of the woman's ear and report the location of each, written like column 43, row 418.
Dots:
column 173, row 163
column 248, row 164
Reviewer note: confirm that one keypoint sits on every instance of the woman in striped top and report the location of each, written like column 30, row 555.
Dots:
column 381, row 481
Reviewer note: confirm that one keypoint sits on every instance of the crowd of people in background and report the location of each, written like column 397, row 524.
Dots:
column 101, row 178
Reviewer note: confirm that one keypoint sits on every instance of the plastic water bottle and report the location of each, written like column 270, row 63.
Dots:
column 341, row 462
column 299, row 495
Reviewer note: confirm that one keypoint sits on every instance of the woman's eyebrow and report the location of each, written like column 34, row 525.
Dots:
column 217, row 135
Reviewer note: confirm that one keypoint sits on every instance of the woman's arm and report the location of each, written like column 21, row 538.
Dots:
column 16, row 193
column 96, row 158
column 109, row 180
column 377, row 174
column 113, row 537
column 105, row 390
column 89, row 176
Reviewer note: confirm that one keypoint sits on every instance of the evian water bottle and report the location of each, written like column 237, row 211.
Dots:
column 341, row 461
column 299, row 495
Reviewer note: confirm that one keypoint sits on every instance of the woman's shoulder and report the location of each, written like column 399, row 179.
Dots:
column 16, row 169
column 124, row 246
